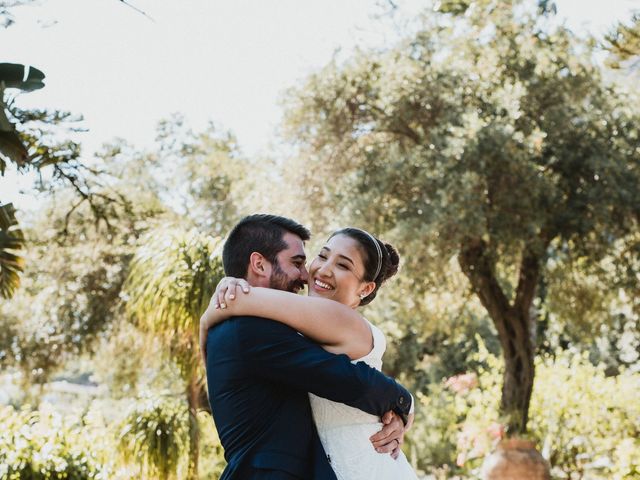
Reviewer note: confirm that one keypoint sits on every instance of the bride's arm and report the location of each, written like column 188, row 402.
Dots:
column 338, row 328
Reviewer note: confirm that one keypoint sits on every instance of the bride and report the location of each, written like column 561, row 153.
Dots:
column 349, row 269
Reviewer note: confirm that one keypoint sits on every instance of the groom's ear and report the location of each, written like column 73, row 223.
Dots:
column 259, row 266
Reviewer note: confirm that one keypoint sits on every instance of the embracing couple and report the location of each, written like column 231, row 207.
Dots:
column 294, row 382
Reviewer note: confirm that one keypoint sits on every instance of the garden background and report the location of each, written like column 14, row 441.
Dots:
column 495, row 143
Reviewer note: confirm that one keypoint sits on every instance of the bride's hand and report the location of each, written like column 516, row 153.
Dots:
column 226, row 291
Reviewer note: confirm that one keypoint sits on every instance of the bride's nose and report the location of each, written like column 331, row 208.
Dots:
column 325, row 269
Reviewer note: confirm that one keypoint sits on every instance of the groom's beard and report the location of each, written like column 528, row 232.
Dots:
column 280, row 281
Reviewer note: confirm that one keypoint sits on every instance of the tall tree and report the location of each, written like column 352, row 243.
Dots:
column 488, row 135
column 173, row 276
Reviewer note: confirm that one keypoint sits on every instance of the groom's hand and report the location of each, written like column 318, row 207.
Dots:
column 390, row 438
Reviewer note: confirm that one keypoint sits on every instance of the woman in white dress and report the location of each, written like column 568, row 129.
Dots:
column 349, row 270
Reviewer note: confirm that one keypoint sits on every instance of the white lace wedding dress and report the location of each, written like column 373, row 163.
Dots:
column 345, row 431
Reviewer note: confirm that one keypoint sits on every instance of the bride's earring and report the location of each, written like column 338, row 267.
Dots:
column 362, row 296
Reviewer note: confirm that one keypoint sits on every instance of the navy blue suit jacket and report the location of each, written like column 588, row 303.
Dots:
column 258, row 373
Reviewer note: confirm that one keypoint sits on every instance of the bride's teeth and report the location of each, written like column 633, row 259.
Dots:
column 323, row 285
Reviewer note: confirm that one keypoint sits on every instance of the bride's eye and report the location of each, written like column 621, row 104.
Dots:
column 322, row 256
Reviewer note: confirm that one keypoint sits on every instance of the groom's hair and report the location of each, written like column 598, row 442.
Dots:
column 260, row 233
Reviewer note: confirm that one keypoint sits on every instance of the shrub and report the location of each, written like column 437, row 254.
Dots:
column 38, row 445
column 154, row 437
column 586, row 424
column 431, row 442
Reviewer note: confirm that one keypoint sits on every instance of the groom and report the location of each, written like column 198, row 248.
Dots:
column 259, row 371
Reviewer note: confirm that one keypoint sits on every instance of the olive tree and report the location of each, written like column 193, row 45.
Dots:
column 490, row 136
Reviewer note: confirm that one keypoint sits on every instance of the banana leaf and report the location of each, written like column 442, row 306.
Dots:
column 13, row 76
column 11, row 242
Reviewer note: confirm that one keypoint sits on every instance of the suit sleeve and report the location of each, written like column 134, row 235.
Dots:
column 278, row 353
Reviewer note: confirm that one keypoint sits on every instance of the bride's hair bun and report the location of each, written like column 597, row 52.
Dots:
column 390, row 268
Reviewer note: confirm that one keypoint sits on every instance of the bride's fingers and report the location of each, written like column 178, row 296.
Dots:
column 230, row 296
column 219, row 295
column 238, row 285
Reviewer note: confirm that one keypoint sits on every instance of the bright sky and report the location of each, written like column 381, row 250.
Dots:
column 222, row 60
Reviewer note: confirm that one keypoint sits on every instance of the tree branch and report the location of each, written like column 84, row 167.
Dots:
column 480, row 271
column 136, row 9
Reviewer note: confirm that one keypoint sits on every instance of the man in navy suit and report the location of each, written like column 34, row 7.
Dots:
column 259, row 372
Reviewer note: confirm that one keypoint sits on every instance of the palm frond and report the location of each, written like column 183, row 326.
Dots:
column 172, row 277
column 11, row 241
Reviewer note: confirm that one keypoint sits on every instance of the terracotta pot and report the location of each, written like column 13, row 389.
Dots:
column 515, row 459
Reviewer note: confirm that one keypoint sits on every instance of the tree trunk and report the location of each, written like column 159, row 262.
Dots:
column 193, row 397
column 513, row 323
column 518, row 353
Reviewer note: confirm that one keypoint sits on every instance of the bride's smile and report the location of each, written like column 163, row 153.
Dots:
column 336, row 273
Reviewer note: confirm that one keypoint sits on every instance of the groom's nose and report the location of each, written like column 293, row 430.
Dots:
column 304, row 274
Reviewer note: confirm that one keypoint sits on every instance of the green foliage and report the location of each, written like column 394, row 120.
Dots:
column 593, row 306
column 587, row 423
column 148, row 440
column 70, row 296
column 11, row 241
column 154, row 437
column 12, row 75
column 584, row 422
column 40, row 446
column 43, row 132
column 207, row 174
column 482, row 125
column 431, row 335
column 72, row 293
column 71, row 287
column 129, row 363
column 212, row 461
column 624, row 42
column 41, row 142
column 432, row 440
column 490, row 136
column 431, row 139
column 173, row 275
